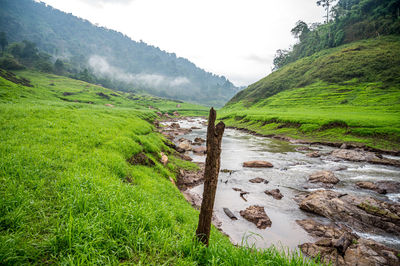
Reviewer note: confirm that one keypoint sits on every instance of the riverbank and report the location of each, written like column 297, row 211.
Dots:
column 292, row 163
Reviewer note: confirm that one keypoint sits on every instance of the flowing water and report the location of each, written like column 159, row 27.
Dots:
column 289, row 174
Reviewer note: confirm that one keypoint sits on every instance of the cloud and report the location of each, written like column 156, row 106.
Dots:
column 101, row 67
column 100, row 3
column 260, row 59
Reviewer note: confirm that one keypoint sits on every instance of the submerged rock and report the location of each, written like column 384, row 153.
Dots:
column 370, row 186
column 258, row 180
column 323, row 177
column 200, row 150
column 364, row 214
column 275, row 193
column 256, row 214
column 257, row 164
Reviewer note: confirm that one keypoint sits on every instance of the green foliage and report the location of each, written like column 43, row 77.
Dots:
column 69, row 196
column 353, row 20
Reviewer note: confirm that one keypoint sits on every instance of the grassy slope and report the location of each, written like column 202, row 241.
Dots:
column 350, row 93
column 68, row 196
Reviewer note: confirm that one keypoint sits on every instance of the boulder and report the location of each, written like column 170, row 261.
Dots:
column 364, row 214
column 199, row 140
column 275, row 193
column 258, row 180
column 359, row 155
column 175, row 125
column 370, row 186
column 388, row 185
column 314, row 154
column 185, row 145
column 339, row 246
column 257, row 164
column 256, row 214
column 186, row 157
column 323, row 177
column 200, row 150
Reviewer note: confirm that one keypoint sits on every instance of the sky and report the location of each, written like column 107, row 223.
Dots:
column 234, row 38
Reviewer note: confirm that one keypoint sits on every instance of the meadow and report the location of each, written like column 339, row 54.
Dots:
column 68, row 195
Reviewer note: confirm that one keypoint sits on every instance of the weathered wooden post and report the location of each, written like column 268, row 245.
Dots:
column 214, row 139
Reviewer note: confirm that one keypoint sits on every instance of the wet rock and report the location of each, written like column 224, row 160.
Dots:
column 314, row 154
column 141, row 159
column 188, row 179
column 338, row 168
column 237, row 189
column 185, row 145
column 258, row 180
column 256, row 214
column 370, row 186
column 364, row 214
column 389, row 186
column 359, row 155
column 275, row 193
column 175, row 125
column 257, row 164
column 164, row 158
column 323, row 177
column 227, row 171
column 200, row 150
column 186, row 157
column 199, row 140
column 193, row 198
column 195, row 128
column 183, row 139
column 339, row 246
column 303, row 148
column 229, row 214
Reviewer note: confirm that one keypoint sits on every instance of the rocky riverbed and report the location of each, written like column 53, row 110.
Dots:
column 341, row 202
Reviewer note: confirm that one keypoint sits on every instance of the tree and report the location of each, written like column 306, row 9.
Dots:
column 59, row 67
column 326, row 4
column 3, row 41
column 300, row 30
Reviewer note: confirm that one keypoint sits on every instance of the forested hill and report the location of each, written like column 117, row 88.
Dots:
column 111, row 54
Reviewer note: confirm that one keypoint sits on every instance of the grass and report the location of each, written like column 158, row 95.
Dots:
column 346, row 94
column 69, row 196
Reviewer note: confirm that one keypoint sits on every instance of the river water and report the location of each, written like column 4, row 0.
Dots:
column 289, row 174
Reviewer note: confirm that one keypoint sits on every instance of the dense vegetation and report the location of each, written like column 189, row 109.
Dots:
column 104, row 56
column 69, row 196
column 346, row 22
column 348, row 93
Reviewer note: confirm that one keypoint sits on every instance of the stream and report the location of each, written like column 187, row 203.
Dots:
column 289, row 174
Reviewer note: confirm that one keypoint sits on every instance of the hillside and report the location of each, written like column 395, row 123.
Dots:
column 111, row 54
column 348, row 93
column 69, row 195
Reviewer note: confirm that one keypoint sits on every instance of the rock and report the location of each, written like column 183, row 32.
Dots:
column 237, row 189
column 175, row 113
column 339, row 246
column 175, row 125
column 167, row 115
column 338, row 168
column 343, row 146
column 188, row 179
column 185, row 145
column 257, row 164
column 178, row 105
column 164, row 158
column 193, row 198
column 370, row 186
column 159, row 114
column 199, row 140
column 275, row 193
column 200, row 150
column 258, row 180
column 256, row 214
column 359, row 155
column 314, row 154
column 227, row 171
column 323, row 177
column 303, row 148
column 141, row 159
column 364, row 214
column 109, row 105
column 186, row 157
column 389, row 186
column 229, row 214
column 195, row 128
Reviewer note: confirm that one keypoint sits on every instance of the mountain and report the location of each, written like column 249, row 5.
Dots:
column 111, row 54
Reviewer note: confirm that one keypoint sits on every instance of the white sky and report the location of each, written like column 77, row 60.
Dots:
column 234, row 38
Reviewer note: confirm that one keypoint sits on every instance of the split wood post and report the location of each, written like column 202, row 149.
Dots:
column 214, row 139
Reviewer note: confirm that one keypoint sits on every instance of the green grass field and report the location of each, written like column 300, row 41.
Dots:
column 68, row 195
column 350, row 93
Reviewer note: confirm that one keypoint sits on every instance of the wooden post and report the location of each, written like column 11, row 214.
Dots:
column 214, row 139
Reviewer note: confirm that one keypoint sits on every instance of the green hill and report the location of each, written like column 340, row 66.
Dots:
column 69, row 196
column 111, row 55
column 348, row 93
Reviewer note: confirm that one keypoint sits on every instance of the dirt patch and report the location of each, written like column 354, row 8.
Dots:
column 141, row 159
column 104, row 96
